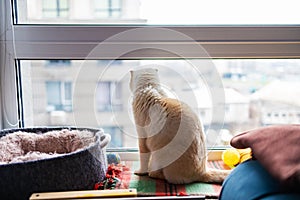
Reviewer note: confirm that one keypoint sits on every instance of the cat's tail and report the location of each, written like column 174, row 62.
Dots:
column 214, row 175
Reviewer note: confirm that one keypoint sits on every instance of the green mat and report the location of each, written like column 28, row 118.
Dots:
column 147, row 186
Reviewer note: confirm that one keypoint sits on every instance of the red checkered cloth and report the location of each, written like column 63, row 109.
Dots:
column 147, row 186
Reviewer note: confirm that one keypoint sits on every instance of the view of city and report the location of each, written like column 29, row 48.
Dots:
column 257, row 92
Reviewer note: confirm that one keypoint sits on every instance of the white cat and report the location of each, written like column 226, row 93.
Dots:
column 171, row 139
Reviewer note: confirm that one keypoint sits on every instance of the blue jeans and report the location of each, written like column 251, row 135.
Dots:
column 250, row 180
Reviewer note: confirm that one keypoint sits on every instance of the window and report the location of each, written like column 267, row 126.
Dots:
column 107, row 87
column 55, row 8
column 109, row 96
column 54, row 63
column 79, row 12
column 108, row 8
column 116, row 136
column 109, row 62
column 253, row 56
column 59, row 96
column 157, row 12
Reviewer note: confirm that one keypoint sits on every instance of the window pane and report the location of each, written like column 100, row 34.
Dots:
column 63, row 13
column 59, row 63
column 256, row 92
column 52, row 8
column 107, row 8
column 104, row 96
column 116, row 136
column 116, row 4
column 194, row 12
column 59, row 95
column 50, row 4
column 101, row 4
column 53, row 94
column 101, row 13
column 49, row 14
column 63, row 4
column 68, row 91
column 109, row 96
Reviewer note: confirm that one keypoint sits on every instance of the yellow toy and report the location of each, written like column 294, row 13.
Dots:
column 232, row 157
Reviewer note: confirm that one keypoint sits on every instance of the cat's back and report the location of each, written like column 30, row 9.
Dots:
column 169, row 118
column 176, row 108
column 153, row 103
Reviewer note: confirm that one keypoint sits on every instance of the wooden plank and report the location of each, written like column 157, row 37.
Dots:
column 86, row 194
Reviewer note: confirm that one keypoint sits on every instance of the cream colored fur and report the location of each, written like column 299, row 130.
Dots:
column 171, row 139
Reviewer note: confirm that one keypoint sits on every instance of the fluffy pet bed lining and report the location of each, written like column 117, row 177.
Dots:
column 23, row 146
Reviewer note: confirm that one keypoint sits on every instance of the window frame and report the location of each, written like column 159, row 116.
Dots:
column 71, row 42
column 20, row 41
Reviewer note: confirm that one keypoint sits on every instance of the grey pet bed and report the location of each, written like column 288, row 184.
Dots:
column 78, row 170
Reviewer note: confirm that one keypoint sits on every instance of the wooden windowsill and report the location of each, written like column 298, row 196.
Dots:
column 134, row 156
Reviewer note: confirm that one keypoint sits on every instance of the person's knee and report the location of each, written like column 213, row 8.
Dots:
column 250, row 180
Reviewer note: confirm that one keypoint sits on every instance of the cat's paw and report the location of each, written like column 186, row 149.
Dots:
column 140, row 173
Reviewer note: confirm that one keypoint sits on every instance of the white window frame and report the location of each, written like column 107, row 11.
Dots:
column 75, row 42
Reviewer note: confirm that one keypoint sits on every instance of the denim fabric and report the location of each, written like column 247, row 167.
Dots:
column 250, row 180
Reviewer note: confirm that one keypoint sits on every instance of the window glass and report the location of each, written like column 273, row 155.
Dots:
column 53, row 95
column 115, row 4
column 59, row 63
column 55, row 8
column 116, row 136
column 59, row 95
column 256, row 92
column 109, row 96
column 108, row 8
column 195, row 12
column 49, row 4
column 67, row 93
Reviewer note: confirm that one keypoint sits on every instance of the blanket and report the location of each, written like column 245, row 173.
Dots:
column 147, row 186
